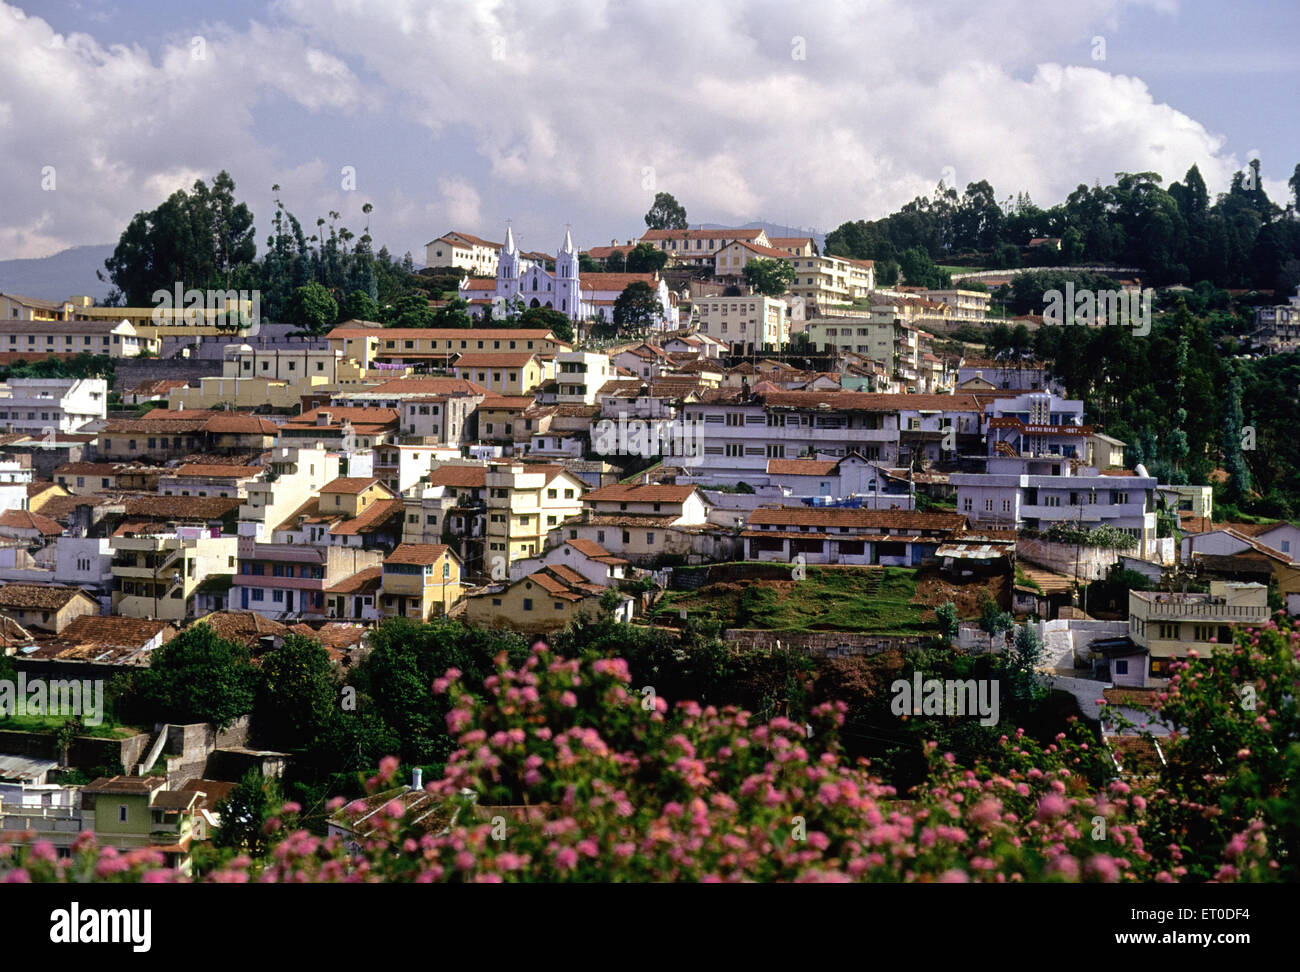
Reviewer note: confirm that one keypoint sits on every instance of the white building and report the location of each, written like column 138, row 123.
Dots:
column 14, row 477
column 579, row 375
column 52, row 404
column 746, row 325
column 579, row 298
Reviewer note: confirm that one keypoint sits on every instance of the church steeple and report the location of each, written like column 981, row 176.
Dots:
column 566, row 261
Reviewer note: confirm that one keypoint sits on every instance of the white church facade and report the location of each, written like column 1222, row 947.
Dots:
column 580, row 298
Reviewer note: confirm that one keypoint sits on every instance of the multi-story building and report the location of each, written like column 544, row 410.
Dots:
column 731, row 259
column 208, row 479
column 287, row 580
column 524, row 502
column 371, row 346
column 38, row 337
column 52, row 405
column 579, row 375
column 901, row 538
column 747, row 325
column 699, row 247
column 1167, row 627
column 891, row 341
column 156, row 575
column 968, row 306
column 1036, row 475
column 503, row 374
column 462, row 251
column 545, row 601
column 420, row 581
column 294, row 476
column 827, row 281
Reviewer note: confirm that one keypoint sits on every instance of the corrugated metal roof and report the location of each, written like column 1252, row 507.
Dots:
column 24, row 767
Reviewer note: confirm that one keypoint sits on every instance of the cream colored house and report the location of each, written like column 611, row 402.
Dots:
column 463, row 251
column 420, row 581
column 157, row 575
column 1169, row 626
column 524, row 502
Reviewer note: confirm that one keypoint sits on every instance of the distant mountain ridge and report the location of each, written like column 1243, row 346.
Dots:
column 64, row 274
column 771, row 229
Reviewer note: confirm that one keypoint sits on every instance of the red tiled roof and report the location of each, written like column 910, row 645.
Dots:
column 456, row 474
column 27, row 520
column 801, row 467
column 349, row 485
column 419, row 554
column 641, row 493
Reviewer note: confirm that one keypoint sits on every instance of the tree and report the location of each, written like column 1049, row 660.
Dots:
column 548, row 317
column 200, row 240
column 312, row 307
column 637, row 308
column 245, row 813
column 411, row 310
column 296, row 694
column 666, row 213
column 359, row 306
column 920, row 271
column 946, row 615
column 772, row 278
column 645, row 258
column 616, row 262
column 454, row 313
column 197, row 677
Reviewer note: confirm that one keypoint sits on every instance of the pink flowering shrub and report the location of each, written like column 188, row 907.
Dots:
column 617, row 788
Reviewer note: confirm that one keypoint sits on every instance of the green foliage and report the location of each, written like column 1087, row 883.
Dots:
column 645, row 258
column 199, row 239
column 666, row 213
column 771, row 278
column 196, row 677
column 946, row 615
column 312, row 307
column 245, row 814
column 637, row 309
column 359, row 306
column 296, row 694
column 548, row 317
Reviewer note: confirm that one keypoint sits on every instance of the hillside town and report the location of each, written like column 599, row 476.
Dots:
column 440, row 444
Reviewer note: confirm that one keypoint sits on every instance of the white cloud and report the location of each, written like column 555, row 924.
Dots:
column 552, row 113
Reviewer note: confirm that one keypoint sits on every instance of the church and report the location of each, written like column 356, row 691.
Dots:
column 580, row 298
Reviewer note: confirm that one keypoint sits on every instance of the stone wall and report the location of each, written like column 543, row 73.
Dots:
column 821, row 644
column 129, row 372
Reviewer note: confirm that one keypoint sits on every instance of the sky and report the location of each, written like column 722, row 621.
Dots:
column 463, row 115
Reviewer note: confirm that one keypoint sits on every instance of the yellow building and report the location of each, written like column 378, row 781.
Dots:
column 420, row 581
column 368, row 344
column 543, row 602
column 504, row 374
column 39, row 607
column 351, row 496
column 39, row 337
column 731, row 259
column 133, row 812
column 156, row 576
column 524, row 503
column 755, row 322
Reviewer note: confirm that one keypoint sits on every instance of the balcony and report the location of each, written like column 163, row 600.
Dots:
column 1207, row 611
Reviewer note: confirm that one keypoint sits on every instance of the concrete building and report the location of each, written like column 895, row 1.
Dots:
column 1169, row 626
column 525, row 501
column 580, row 375
column 156, row 575
column 420, row 581
column 746, row 325
column 52, row 405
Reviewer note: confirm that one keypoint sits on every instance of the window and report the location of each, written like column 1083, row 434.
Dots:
column 1169, row 632
column 528, row 604
column 1121, row 666
column 121, row 813
column 1204, row 632
column 650, row 539
column 967, row 504
column 988, row 506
